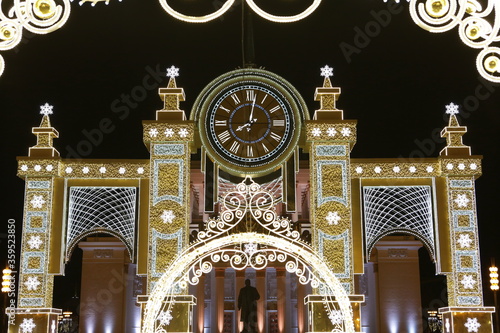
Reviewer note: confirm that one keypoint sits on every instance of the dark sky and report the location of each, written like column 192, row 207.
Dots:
column 396, row 79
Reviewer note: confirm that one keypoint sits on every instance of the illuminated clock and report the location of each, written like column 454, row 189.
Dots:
column 249, row 121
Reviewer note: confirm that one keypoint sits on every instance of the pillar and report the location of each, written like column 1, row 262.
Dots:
column 240, row 283
column 399, row 303
column 301, row 294
column 281, row 301
column 103, row 289
column 200, row 305
column 261, row 311
column 218, row 316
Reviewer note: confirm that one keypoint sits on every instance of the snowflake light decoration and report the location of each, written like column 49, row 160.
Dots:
column 468, row 282
column 473, row 166
column 333, row 218
column 336, row 317
column 396, row 169
column 169, row 132
column 461, row 166
column 168, row 216
column 452, row 109
column 316, row 131
column 326, row 71
column 24, row 167
column 461, row 200
column 153, row 132
column 464, row 240
column 429, row 169
column 331, row 131
column 49, row 167
column 449, row 166
column 102, row 169
column 165, row 317
column 346, row 131
column 85, row 170
column 35, row 242
column 250, row 248
column 32, row 283
column 412, row 169
column 38, row 167
column 68, row 170
column 46, row 109
column 121, row 170
column 472, row 325
column 37, row 201
column 27, row 325
column 377, row 169
column 140, row 170
column 359, row 170
column 172, row 72
column 183, row 132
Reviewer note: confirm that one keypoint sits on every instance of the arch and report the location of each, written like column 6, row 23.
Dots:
column 191, row 261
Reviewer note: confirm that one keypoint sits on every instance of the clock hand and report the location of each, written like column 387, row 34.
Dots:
column 240, row 128
column 251, row 112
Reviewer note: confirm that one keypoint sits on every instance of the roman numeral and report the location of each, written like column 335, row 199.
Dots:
column 235, row 99
column 249, row 151
column 263, row 99
column 265, row 148
column 234, row 147
column 225, row 109
column 221, row 123
column 224, row 136
column 278, row 122
column 276, row 108
column 275, row 136
column 250, row 95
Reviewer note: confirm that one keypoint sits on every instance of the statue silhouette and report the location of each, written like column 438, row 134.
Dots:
column 247, row 303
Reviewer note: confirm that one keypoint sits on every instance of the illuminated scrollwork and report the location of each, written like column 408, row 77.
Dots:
column 36, row 16
column 229, row 3
column 474, row 27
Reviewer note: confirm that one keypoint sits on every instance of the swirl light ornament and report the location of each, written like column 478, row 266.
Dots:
column 37, row 16
column 220, row 243
column 229, row 3
column 478, row 27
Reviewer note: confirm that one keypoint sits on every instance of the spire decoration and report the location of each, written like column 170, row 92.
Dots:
column 453, row 134
column 327, row 96
column 172, row 96
column 45, row 134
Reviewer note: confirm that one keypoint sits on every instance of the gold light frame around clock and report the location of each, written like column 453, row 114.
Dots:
column 241, row 77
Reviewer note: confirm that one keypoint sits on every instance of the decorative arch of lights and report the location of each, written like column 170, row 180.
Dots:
column 398, row 209
column 110, row 210
column 220, row 243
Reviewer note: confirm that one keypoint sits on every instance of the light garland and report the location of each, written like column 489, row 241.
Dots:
column 37, row 16
column 229, row 3
column 473, row 27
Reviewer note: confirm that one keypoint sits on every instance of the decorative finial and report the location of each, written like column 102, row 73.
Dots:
column 452, row 109
column 46, row 109
column 172, row 72
column 326, row 71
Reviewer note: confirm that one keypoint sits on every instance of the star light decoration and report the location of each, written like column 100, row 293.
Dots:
column 46, row 109
column 346, row 131
column 250, row 248
column 32, row 283
column 35, row 242
column 165, row 317
column 326, row 71
column 333, row 218
column 472, row 325
column 172, row 72
column 464, row 240
column 168, row 216
column 468, row 282
column 452, row 109
column 27, row 325
column 37, row 201
column 461, row 200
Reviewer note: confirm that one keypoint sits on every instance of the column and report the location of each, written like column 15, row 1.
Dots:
column 301, row 294
column 240, row 283
column 399, row 301
column 200, row 305
column 103, row 289
column 281, row 301
column 261, row 311
column 218, row 316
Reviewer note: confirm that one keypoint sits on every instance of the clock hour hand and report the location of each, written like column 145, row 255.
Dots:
column 240, row 128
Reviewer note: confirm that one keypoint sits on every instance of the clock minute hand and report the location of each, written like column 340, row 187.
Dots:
column 251, row 120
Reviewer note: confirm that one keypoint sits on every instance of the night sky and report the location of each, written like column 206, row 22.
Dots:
column 396, row 79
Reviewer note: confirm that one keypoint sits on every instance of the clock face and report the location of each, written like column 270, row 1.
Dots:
column 249, row 124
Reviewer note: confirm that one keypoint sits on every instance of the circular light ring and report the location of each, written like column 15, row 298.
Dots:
column 443, row 23
column 489, row 53
column 26, row 14
column 283, row 19
column 197, row 19
column 15, row 31
column 2, row 65
column 478, row 39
